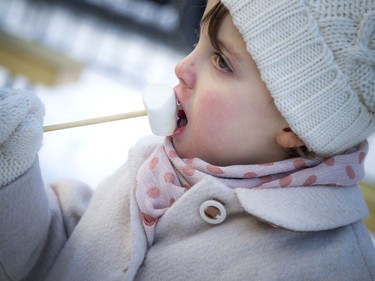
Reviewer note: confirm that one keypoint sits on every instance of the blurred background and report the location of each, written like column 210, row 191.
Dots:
column 91, row 58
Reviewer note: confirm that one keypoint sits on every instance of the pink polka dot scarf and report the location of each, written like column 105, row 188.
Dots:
column 164, row 177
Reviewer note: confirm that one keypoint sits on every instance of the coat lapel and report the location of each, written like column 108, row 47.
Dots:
column 137, row 156
column 305, row 208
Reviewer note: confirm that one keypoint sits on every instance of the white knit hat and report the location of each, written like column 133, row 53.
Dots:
column 317, row 58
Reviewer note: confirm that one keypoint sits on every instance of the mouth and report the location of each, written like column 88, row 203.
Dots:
column 182, row 120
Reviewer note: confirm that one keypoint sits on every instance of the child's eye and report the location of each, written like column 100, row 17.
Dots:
column 221, row 62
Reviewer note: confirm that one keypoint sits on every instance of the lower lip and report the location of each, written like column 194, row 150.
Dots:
column 178, row 132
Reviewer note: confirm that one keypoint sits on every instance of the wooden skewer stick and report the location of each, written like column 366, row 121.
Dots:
column 93, row 121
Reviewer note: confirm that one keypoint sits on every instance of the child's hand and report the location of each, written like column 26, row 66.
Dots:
column 21, row 132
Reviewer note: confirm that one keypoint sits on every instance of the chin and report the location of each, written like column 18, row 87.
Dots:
column 180, row 149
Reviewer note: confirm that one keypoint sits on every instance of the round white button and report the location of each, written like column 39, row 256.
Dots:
column 212, row 212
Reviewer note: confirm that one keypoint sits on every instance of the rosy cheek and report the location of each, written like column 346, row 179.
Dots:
column 213, row 110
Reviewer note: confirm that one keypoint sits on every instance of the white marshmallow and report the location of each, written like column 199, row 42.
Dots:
column 161, row 107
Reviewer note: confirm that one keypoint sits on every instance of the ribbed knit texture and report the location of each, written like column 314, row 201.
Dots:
column 21, row 118
column 317, row 59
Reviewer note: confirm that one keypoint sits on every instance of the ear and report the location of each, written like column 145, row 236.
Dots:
column 288, row 139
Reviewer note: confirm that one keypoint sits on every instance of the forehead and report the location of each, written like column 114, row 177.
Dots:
column 218, row 25
column 212, row 21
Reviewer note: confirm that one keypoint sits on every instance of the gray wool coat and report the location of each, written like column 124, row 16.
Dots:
column 66, row 232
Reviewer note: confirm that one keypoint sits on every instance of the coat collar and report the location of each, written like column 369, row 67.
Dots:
column 296, row 209
column 305, row 208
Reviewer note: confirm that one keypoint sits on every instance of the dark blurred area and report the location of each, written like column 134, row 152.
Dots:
column 40, row 38
column 173, row 22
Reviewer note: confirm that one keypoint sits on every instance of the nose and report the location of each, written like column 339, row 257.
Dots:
column 185, row 71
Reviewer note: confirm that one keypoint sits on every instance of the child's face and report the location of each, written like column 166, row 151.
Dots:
column 231, row 116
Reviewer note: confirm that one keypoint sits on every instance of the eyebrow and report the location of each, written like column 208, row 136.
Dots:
column 230, row 49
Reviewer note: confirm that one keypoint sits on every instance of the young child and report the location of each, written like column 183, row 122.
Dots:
column 258, row 182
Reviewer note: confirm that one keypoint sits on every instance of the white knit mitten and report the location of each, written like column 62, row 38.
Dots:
column 21, row 132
